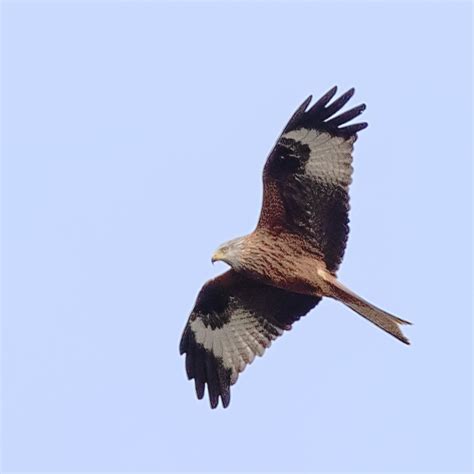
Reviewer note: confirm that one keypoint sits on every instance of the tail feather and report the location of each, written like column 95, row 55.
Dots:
column 386, row 321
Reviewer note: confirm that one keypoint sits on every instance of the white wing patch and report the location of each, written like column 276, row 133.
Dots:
column 238, row 341
column 330, row 157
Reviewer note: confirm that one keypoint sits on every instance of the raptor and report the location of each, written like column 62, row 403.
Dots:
column 282, row 269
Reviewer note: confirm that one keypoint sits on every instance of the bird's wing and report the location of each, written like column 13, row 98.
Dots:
column 307, row 175
column 233, row 320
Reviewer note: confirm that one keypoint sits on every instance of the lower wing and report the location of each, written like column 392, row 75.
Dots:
column 233, row 320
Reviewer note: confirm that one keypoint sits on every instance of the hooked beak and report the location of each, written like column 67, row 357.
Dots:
column 218, row 255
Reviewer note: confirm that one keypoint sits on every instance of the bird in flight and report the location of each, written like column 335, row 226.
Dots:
column 282, row 269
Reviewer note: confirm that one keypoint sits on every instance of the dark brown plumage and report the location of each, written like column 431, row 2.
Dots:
column 282, row 269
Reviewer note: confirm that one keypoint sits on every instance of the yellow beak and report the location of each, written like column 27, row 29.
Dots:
column 218, row 255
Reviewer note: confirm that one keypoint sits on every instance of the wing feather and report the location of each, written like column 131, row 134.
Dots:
column 234, row 320
column 307, row 176
column 322, row 102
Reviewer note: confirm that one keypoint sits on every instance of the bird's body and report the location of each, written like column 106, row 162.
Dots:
column 276, row 258
column 284, row 267
column 280, row 259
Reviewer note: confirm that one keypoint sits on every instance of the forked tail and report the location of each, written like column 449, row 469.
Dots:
column 386, row 321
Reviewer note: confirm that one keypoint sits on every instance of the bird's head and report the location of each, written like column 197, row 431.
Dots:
column 230, row 252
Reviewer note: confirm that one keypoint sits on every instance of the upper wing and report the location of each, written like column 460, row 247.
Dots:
column 233, row 320
column 307, row 175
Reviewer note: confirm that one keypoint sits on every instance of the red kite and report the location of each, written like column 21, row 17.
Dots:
column 284, row 267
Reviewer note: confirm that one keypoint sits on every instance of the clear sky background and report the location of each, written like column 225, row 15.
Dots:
column 133, row 139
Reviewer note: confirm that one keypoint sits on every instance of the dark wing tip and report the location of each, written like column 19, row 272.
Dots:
column 300, row 111
column 350, row 93
column 206, row 369
column 199, row 386
column 322, row 115
column 183, row 343
column 352, row 130
column 346, row 116
column 321, row 103
column 225, row 398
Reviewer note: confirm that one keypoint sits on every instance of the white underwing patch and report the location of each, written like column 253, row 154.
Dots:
column 238, row 341
column 330, row 157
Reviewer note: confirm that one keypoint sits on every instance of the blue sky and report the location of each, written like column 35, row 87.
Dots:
column 133, row 139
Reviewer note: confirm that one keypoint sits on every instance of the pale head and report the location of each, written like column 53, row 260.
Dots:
column 230, row 252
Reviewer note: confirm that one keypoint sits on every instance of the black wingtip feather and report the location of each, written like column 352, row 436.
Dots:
column 184, row 341
column 321, row 103
column 321, row 115
column 337, row 105
column 300, row 112
column 302, row 108
column 225, row 398
column 353, row 129
column 200, row 376
column 189, row 364
column 199, row 386
column 212, row 381
column 205, row 369
column 224, row 385
column 346, row 116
